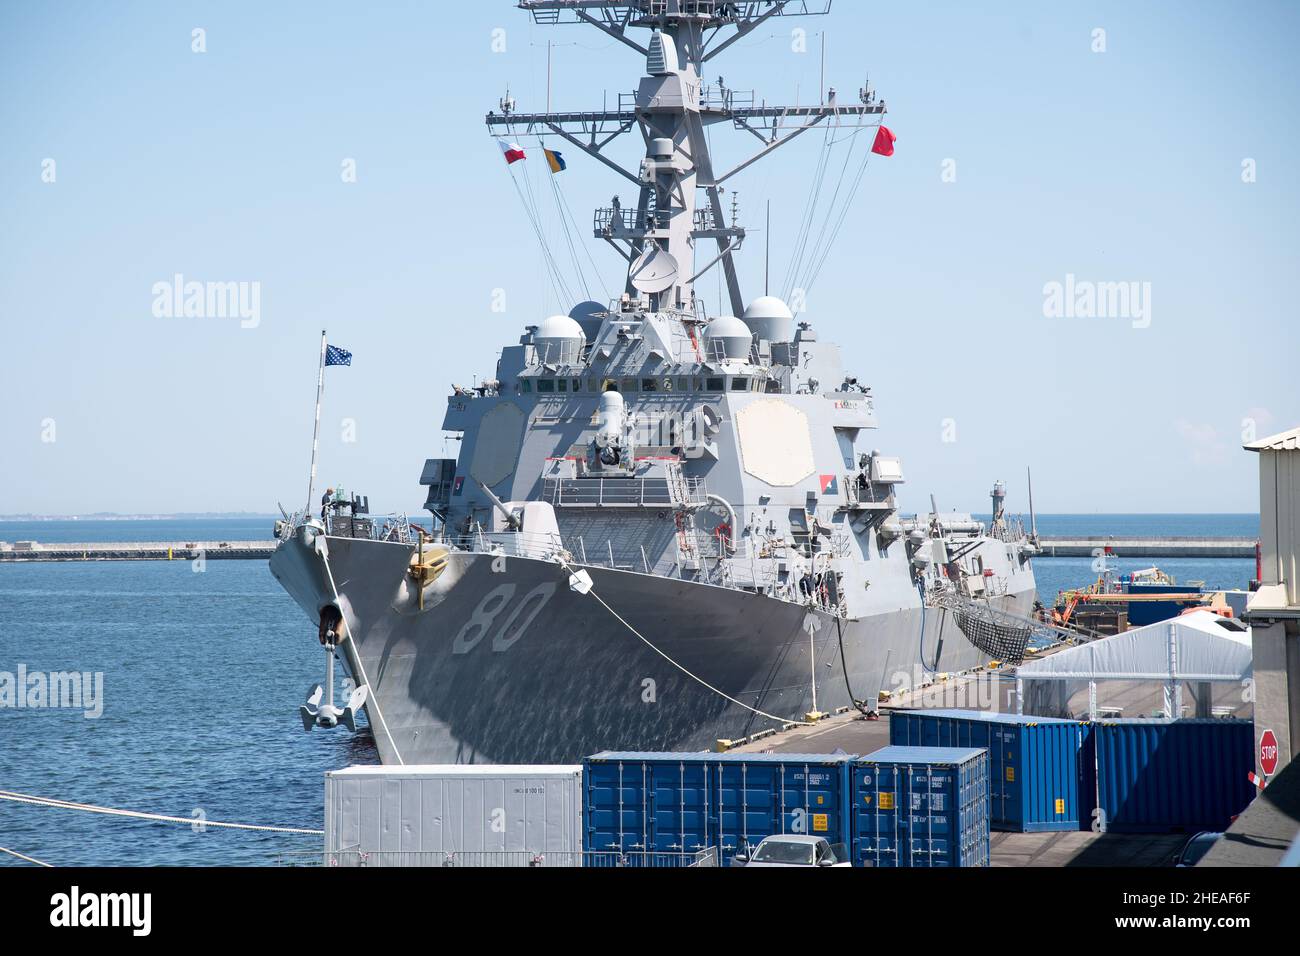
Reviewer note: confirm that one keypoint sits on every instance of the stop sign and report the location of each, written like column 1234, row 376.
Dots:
column 1268, row 753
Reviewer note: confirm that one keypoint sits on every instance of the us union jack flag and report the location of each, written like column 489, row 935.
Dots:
column 337, row 356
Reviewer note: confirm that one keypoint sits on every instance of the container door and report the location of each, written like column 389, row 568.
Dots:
column 615, row 806
column 680, row 807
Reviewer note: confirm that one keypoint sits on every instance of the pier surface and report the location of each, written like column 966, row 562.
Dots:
column 135, row 550
column 1148, row 547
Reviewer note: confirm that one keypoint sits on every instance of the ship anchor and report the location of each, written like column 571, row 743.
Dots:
column 317, row 714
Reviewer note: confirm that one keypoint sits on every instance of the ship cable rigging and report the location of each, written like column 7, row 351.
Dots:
column 805, row 266
column 805, row 227
column 572, row 234
column 528, row 200
column 650, row 644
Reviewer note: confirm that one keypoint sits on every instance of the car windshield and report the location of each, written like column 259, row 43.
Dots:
column 778, row 851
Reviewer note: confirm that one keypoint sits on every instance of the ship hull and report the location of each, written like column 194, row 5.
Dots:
column 506, row 664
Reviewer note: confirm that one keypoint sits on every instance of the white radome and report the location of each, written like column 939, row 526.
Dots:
column 733, row 334
column 770, row 318
column 559, row 339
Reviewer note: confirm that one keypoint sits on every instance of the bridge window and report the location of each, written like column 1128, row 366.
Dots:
column 740, row 384
column 546, row 384
column 526, row 384
column 715, row 384
column 649, row 385
column 562, row 384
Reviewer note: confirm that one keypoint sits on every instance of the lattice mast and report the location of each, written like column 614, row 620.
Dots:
column 672, row 108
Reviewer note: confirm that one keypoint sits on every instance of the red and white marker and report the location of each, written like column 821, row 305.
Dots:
column 1268, row 753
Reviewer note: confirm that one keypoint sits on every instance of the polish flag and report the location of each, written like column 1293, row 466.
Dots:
column 884, row 144
column 513, row 151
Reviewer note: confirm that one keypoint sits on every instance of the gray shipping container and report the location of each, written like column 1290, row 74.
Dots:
column 454, row 814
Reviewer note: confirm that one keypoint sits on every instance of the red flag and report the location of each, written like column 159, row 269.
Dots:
column 884, row 144
column 513, row 152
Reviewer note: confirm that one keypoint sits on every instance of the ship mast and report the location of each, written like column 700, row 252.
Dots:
column 672, row 107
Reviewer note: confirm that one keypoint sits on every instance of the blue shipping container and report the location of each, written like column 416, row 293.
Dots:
column 683, row 802
column 921, row 806
column 1040, row 768
column 1173, row 775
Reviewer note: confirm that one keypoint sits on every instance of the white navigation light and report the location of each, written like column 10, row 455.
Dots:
column 726, row 337
column 771, row 319
column 559, row 340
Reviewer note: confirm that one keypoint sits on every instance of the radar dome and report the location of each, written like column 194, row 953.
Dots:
column 590, row 316
column 727, row 337
column 770, row 318
column 559, row 340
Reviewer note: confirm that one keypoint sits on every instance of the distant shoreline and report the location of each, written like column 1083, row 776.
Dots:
column 247, row 515
column 179, row 516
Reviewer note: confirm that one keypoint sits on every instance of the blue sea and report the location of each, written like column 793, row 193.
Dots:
column 202, row 676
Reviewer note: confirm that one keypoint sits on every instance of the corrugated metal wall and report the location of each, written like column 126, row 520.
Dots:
column 921, row 807
column 1176, row 776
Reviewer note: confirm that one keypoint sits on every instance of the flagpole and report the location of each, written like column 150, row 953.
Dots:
column 315, row 435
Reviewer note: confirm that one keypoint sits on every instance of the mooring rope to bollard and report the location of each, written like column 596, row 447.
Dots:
column 141, row 815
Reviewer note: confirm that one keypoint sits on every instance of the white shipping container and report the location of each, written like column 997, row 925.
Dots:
column 472, row 815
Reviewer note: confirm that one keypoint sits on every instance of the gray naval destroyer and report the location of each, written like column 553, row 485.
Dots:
column 664, row 527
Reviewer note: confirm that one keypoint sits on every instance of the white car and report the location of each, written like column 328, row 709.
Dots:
column 790, row 849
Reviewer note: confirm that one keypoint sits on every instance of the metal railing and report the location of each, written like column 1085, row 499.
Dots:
column 479, row 859
column 392, row 527
column 624, row 492
column 515, row 544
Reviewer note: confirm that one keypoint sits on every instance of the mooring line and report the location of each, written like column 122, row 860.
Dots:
column 141, row 815
column 695, row 677
column 23, row 856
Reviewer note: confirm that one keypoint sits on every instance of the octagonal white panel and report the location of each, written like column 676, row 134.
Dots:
column 775, row 444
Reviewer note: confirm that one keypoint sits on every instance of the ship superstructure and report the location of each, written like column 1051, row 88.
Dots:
column 665, row 526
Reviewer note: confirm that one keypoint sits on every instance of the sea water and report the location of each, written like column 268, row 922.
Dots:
column 202, row 672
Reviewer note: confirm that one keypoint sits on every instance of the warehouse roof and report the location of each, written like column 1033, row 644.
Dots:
column 1208, row 648
column 1282, row 441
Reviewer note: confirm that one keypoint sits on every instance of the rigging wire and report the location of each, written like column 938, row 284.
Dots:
column 839, row 224
column 814, row 196
column 585, row 246
column 552, row 274
column 820, row 247
column 567, row 229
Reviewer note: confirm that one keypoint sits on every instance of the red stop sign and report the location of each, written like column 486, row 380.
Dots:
column 1268, row 753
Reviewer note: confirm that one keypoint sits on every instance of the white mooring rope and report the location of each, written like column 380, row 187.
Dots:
column 141, row 815
column 695, row 677
column 23, row 856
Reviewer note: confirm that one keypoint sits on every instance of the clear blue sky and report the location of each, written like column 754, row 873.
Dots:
column 225, row 166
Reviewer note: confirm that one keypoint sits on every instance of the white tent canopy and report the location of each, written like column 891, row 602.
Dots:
column 1197, row 648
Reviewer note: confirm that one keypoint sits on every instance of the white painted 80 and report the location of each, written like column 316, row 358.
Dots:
column 494, row 602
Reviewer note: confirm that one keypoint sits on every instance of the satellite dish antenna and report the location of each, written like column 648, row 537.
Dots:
column 655, row 270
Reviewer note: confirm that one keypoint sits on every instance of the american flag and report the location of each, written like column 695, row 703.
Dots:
column 337, row 356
